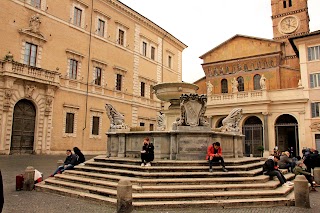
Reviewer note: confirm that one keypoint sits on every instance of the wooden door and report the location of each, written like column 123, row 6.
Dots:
column 22, row 139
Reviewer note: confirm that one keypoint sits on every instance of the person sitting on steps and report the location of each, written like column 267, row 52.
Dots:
column 300, row 169
column 81, row 158
column 214, row 154
column 147, row 153
column 69, row 163
column 271, row 168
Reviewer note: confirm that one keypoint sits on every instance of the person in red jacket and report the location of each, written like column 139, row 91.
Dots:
column 214, row 154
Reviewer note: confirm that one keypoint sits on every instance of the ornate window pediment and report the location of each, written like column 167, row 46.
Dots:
column 34, row 28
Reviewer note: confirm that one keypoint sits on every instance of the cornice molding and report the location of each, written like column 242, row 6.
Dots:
column 289, row 13
column 290, row 36
column 143, row 20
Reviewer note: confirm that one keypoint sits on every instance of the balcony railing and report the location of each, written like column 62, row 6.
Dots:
column 281, row 95
column 19, row 70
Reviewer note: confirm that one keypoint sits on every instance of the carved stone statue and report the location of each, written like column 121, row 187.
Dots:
column 234, row 84
column 116, row 119
column 161, row 124
column 34, row 23
column 209, row 88
column 231, row 122
column 315, row 126
column 29, row 89
column 192, row 109
column 263, row 82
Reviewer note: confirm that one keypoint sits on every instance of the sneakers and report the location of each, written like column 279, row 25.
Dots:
column 288, row 183
column 210, row 170
column 148, row 164
column 142, row 164
column 224, row 169
column 313, row 189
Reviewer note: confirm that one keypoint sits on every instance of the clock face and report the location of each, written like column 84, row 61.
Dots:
column 288, row 24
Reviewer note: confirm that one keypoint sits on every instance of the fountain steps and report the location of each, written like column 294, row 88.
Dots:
column 177, row 184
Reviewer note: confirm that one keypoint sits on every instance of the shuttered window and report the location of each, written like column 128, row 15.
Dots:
column 69, row 122
column 95, row 125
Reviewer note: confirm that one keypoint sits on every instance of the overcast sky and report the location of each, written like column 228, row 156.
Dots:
column 204, row 24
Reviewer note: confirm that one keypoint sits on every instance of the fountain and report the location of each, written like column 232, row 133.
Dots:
column 183, row 133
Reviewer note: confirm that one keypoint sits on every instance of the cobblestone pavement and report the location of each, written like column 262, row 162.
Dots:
column 34, row 202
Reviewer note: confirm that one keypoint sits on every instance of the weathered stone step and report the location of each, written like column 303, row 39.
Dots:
column 164, row 196
column 170, row 188
column 229, row 203
column 148, row 174
column 165, row 181
column 136, row 161
column 171, row 168
column 82, row 188
column 279, row 192
column 76, row 194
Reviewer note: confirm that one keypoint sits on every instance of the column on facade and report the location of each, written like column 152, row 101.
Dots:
column 265, row 133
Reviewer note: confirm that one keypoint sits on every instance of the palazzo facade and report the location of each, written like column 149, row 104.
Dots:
column 265, row 78
column 62, row 61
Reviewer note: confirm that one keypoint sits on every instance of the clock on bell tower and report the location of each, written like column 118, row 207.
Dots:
column 289, row 18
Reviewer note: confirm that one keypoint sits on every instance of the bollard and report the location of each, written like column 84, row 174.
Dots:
column 60, row 163
column 301, row 192
column 124, row 196
column 316, row 175
column 28, row 176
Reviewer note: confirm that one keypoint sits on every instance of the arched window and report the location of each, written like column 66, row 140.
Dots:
column 240, row 84
column 224, row 86
column 256, row 82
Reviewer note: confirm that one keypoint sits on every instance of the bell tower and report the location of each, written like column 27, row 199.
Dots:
column 289, row 18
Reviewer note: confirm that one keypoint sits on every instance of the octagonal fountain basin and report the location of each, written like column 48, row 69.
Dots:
column 173, row 90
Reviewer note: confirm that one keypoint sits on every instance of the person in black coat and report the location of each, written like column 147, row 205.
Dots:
column 270, row 168
column 69, row 163
column 147, row 153
column 81, row 158
column 1, row 193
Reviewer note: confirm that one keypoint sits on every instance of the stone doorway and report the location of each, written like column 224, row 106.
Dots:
column 22, row 139
column 287, row 139
column 253, row 131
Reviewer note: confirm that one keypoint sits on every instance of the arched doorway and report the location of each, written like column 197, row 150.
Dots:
column 253, row 131
column 286, row 128
column 22, row 138
column 219, row 122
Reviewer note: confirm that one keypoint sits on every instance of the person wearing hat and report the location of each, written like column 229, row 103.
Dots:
column 214, row 154
column 299, row 169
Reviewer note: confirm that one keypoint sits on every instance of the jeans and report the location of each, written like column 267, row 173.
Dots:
column 62, row 168
column 289, row 166
column 147, row 157
column 279, row 175
column 216, row 159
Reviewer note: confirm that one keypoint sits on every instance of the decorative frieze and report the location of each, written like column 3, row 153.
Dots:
column 246, row 65
column 7, row 98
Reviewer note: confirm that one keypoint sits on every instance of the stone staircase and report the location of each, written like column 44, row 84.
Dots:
column 171, row 184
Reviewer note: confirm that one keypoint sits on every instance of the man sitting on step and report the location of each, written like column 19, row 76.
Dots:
column 271, row 168
column 214, row 154
column 69, row 163
column 147, row 153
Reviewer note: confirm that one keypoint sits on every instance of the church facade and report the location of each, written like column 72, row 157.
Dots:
column 264, row 78
column 61, row 63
